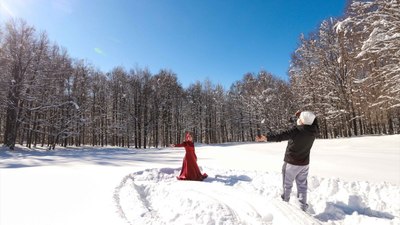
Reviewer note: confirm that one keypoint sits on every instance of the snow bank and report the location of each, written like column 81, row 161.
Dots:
column 154, row 196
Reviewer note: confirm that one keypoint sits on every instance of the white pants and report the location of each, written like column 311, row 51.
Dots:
column 291, row 173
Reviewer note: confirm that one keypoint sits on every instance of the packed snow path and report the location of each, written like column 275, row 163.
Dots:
column 154, row 196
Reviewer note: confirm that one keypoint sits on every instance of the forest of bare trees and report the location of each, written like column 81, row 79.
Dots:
column 347, row 71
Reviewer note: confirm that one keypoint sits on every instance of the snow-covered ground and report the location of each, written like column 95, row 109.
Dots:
column 352, row 181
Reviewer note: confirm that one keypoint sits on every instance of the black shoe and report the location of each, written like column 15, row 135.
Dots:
column 304, row 207
column 283, row 198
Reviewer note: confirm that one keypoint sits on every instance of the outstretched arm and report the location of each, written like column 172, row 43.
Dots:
column 178, row 145
column 283, row 136
column 261, row 138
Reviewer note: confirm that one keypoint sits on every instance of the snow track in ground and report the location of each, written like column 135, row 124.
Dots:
column 287, row 213
column 155, row 196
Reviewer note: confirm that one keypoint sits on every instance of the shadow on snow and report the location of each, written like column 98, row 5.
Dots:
column 339, row 210
column 228, row 180
column 20, row 158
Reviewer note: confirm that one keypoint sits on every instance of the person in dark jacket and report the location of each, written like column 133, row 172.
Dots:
column 297, row 156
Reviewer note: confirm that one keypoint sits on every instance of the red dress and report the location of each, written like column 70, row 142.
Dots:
column 190, row 169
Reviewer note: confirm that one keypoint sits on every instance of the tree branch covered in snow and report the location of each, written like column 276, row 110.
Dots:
column 348, row 68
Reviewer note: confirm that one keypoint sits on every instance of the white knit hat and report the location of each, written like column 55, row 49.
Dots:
column 307, row 117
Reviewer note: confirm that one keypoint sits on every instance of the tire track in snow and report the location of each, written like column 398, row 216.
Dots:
column 286, row 213
column 246, row 208
column 141, row 205
column 130, row 196
column 128, row 200
column 156, row 197
column 144, row 204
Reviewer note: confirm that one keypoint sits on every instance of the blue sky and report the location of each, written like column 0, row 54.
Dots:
column 219, row 40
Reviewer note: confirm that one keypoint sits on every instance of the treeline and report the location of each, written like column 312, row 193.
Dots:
column 347, row 72
column 48, row 99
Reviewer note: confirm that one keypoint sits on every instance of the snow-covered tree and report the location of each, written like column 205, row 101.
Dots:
column 19, row 49
column 348, row 71
column 98, row 103
column 261, row 103
column 377, row 24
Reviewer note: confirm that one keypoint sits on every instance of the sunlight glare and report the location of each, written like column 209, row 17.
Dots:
column 5, row 10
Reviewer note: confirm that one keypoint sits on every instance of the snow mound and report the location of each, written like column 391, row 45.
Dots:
column 155, row 196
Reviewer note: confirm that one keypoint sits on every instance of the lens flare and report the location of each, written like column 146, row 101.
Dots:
column 5, row 10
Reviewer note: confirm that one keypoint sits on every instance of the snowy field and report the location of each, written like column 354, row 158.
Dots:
column 352, row 181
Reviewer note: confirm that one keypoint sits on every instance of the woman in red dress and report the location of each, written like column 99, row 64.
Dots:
column 190, row 169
